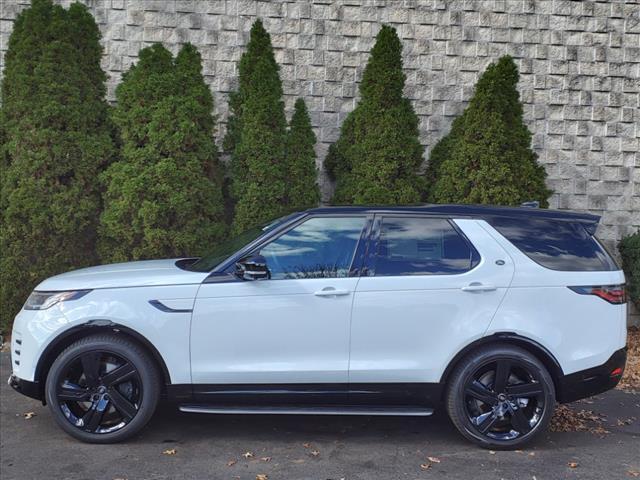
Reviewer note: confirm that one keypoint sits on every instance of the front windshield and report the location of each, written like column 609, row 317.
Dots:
column 226, row 248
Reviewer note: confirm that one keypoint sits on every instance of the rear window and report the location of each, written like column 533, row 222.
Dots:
column 556, row 245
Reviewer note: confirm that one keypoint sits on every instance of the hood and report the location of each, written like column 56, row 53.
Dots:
column 117, row 275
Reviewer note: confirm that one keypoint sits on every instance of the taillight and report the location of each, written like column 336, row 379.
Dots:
column 611, row 293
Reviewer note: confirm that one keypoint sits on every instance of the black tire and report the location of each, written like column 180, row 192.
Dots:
column 506, row 417
column 114, row 400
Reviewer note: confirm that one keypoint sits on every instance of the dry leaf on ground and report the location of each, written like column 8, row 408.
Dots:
column 631, row 378
column 231, row 463
column 262, row 476
column 170, row 451
column 29, row 415
column 573, row 464
column 265, row 459
column 247, row 455
column 425, row 466
column 434, row 459
column 566, row 419
column 314, row 453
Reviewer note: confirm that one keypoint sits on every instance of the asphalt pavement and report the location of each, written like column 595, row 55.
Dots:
column 194, row 446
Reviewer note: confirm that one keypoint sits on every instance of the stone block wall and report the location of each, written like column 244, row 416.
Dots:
column 579, row 63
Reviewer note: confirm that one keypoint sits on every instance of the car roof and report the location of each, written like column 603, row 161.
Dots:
column 481, row 211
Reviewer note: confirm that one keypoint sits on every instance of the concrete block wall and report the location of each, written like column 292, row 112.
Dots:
column 579, row 63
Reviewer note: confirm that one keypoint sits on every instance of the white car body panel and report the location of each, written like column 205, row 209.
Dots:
column 272, row 331
column 408, row 328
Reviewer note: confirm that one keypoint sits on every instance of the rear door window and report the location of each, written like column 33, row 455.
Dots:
column 422, row 246
column 557, row 245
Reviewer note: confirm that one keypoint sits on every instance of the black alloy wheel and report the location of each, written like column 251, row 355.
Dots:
column 501, row 397
column 103, row 388
column 100, row 392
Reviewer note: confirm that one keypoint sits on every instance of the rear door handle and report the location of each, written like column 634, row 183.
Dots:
column 478, row 287
column 331, row 292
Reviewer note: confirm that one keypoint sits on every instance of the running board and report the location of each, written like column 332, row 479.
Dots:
column 310, row 410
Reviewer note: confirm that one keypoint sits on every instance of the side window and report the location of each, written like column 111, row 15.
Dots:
column 321, row 247
column 422, row 246
column 557, row 245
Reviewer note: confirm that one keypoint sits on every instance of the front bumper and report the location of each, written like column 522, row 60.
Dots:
column 25, row 387
column 592, row 381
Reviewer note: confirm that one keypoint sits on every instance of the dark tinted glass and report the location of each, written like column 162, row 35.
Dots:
column 321, row 247
column 555, row 244
column 422, row 246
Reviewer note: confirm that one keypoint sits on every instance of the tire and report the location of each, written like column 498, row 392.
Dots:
column 103, row 388
column 506, row 415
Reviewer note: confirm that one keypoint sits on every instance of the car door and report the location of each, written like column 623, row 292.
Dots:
column 290, row 329
column 432, row 286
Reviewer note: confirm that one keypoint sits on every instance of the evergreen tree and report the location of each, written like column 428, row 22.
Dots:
column 376, row 158
column 487, row 156
column 257, row 136
column 164, row 197
column 259, row 47
column 56, row 140
column 302, row 189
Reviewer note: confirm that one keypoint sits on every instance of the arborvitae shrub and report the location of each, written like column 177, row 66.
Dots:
column 163, row 197
column 302, row 189
column 487, row 156
column 56, row 140
column 630, row 252
column 378, row 153
column 257, row 135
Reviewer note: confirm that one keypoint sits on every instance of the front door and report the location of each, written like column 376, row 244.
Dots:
column 290, row 329
column 433, row 286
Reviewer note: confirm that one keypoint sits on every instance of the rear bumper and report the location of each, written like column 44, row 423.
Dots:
column 25, row 387
column 592, row 381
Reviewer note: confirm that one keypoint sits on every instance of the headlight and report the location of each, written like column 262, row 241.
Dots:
column 44, row 300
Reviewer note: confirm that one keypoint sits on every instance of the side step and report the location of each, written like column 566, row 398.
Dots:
column 310, row 410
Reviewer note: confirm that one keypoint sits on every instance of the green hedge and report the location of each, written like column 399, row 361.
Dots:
column 164, row 196
column 377, row 156
column 487, row 156
column 630, row 252
column 56, row 140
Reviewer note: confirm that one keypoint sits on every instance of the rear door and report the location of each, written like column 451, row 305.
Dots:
column 431, row 286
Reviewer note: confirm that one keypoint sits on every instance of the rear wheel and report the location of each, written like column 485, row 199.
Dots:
column 501, row 397
column 103, row 389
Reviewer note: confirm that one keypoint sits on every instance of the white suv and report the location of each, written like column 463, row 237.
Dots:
column 496, row 313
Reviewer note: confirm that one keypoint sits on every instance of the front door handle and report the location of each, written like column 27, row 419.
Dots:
column 479, row 287
column 331, row 292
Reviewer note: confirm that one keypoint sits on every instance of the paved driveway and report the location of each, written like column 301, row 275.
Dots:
column 309, row 447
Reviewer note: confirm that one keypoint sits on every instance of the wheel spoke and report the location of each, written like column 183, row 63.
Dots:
column 118, row 375
column 122, row 404
column 503, row 369
column 92, row 419
column 91, row 367
column 489, row 420
column 519, row 421
column 478, row 391
column 74, row 393
column 532, row 389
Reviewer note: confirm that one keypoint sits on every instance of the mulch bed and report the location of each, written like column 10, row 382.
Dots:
column 631, row 379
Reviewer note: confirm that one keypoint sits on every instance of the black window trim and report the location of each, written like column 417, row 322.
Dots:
column 224, row 271
column 369, row 268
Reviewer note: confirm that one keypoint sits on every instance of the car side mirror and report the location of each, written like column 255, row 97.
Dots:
column 253, row 267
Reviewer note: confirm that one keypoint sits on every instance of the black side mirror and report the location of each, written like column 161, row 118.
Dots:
column 253, row 267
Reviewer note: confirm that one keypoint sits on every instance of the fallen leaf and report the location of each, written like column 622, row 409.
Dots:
column 170, row 451
column 434, row 459
column 29, row 415
column 532, row 454
column 299, row 460
column 491, row 452
column 261, row 476
column 265, row 459
column 633, row 473
column 315, row 453
column 247, row 455
column 573, row 464
column 425, row 466
column 231, row 463
column 519, row 451
column 306, row 445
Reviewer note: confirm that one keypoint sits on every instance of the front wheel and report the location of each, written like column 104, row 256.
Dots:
column 501, row 397
column 103, row 388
